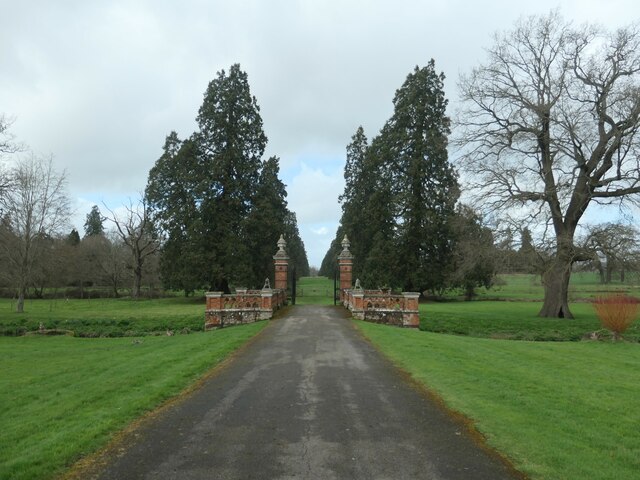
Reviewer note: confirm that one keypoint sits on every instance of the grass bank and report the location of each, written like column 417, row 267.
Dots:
column 557, row 410
column 513, row 321
column 105, row 317
column 62, row 398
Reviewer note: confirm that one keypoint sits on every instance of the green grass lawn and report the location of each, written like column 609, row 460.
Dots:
column 557, row 410
column 583, row 286
column 63, row 397
column 314, row 291
column 512, row 320
column 105, row 317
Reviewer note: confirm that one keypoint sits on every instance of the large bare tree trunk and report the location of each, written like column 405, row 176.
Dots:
column 556, row 286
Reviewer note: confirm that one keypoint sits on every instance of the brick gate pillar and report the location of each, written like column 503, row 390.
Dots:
column 345, row 262
column 281, row 262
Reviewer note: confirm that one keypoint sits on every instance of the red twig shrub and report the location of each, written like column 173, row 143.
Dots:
column 616, row 312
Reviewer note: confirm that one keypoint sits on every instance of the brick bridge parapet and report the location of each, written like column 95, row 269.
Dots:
column 244, row 306
column 382, row 306
column 248, row 306
column 379, row 306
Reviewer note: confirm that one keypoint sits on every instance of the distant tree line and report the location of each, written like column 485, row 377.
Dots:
column 611, row 249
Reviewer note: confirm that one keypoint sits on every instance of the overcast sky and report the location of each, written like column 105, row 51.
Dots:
column 99, row 84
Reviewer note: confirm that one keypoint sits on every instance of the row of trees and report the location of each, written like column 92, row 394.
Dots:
column 213, row 209
column 548, row 126
column 399, row 203
column 99, row 258
column 35, row 253
column 218, row 204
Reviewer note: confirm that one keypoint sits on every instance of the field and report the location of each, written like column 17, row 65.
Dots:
column 513, row 316
column 314, row 291
column 105, row 317
column 558, row 407
column 513, row 321
column 63, row 397
column 561, row 410
column 584, row 286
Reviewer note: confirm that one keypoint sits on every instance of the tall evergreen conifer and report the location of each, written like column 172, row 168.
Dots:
column 220, row 207
column 427, row 186
column 401, row 191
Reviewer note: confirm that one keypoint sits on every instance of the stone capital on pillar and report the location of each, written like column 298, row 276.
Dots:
column 281, row 264
column 345, row 264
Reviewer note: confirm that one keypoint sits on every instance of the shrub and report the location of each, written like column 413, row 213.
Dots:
column 616, row 312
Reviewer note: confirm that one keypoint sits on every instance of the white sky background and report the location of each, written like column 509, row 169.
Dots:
column 99, row 84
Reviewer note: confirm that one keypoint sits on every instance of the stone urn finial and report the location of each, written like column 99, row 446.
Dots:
column 281, row 253
column 345, row 253
column 282, row 243
column 345, row 243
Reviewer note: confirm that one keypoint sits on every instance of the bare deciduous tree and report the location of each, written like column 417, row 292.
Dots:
column 136, row 231
column 549, row 125
column 618, row 244
column 7, row 145
column 34, row 208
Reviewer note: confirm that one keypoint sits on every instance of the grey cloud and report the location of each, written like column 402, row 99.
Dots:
column 100, row 84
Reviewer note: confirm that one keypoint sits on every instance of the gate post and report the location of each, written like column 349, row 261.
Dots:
column 281, row 262
column 345, row 262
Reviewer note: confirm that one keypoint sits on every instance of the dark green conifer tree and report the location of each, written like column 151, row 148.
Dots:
column 329, row 265
column 220, row 207
column 172, row 197
column 401, row 192
column 231, row 142
column 73, row 238
column 426, row 186
column 266, row 222
column 93, row 224
column 295, row 246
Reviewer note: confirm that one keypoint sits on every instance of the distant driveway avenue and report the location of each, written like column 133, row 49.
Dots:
column 308, row 399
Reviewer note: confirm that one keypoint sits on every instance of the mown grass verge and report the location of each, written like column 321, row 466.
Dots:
column 556, row 410
column 62, row 398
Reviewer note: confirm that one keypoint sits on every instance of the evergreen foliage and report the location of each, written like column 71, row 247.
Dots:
column 474, row 253
column 329, row 265
column 93, row 223
column 401, row 191
column 220, row 206
column 73, row 238
column 295, row 246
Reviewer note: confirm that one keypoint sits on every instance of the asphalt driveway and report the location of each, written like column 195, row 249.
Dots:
column 309, row 399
